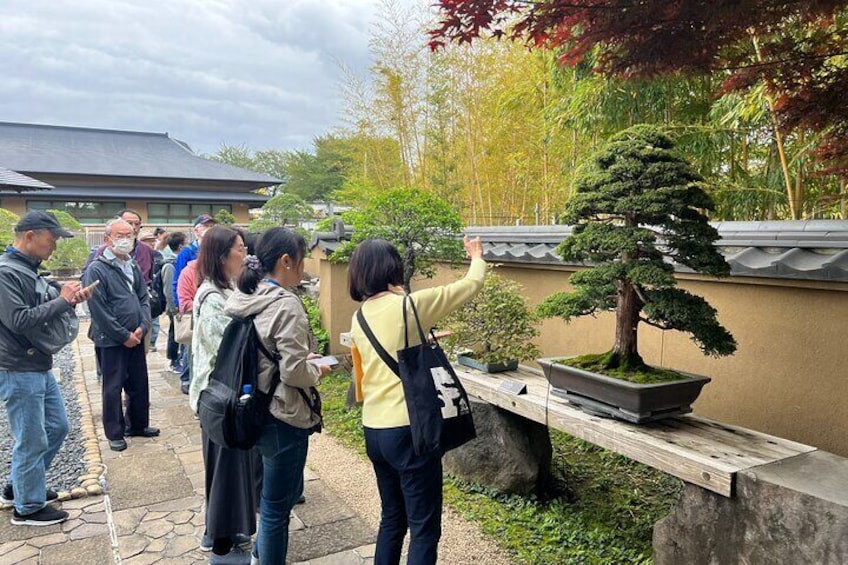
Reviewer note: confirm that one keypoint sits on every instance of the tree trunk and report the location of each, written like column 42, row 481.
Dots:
column 626, row 351
column 408, row 267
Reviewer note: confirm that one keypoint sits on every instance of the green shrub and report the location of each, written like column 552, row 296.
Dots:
column 314, row 313
column 70, row 254
column 497, row 326
column 7, row 226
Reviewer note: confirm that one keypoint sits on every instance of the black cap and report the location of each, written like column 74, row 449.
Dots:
column 203, row 219
column 38, row 220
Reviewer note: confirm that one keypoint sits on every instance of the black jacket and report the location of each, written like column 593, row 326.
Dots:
column 20, row 311
column 117, row 308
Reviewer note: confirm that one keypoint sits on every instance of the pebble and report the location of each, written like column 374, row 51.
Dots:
column 69, row 463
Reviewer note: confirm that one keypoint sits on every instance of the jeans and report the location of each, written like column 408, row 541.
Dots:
column 154, row 332
column 185, row 363
column 283, row 448
column 410, row 496
column 39, row 425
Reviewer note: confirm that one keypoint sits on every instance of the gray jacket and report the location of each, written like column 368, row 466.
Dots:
column 117, row 306
column 283, row 326
column 20, row 312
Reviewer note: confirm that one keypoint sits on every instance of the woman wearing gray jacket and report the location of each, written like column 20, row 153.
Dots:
column 282, row 325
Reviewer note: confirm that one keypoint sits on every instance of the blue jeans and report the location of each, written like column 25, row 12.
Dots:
column 410, row 496
column 283, row 448
column 154, row 332
column 39, row 425
column 185, row 363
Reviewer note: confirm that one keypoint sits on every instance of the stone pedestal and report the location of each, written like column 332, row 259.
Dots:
column 793, row 512
column 511, row 454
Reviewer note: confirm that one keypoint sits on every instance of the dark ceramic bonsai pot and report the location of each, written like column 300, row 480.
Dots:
column 632, row 402
column 486, row 367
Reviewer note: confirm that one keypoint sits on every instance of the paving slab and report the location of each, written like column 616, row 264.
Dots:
column 322, row 506
column 146, row 479
column 89, row 551
column 335, row 537
column 9, row 533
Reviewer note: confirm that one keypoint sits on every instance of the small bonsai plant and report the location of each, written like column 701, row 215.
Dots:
column 70, row 254
column 637, row 205
column 497, row 326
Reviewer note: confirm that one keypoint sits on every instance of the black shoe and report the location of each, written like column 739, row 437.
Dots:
column 146, row 432
column 47, row 516
column 117, row 444
column 8, row 496
column 301, row 500
column 184, row 388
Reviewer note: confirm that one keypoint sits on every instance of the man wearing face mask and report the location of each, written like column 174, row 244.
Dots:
column 143, row 255
column 120, row 317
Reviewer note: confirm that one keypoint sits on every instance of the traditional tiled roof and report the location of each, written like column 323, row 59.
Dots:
column 20, row 183
column 805, row 250
column 33, row 149
column 809, row 249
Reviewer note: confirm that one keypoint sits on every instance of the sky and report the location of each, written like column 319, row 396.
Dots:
column 260, row 73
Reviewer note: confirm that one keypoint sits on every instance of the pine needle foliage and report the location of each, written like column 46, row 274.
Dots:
column 638, row 207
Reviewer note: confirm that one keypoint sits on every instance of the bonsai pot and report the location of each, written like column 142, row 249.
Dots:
column 487, row 367
column 616, row 398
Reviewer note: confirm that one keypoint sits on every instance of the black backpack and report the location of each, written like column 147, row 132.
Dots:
column 228, row 421
column 158, row 300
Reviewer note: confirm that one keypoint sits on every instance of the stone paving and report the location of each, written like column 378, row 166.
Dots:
column 153, row 508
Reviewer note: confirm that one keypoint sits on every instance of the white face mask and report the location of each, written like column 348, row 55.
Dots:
column 123, row 246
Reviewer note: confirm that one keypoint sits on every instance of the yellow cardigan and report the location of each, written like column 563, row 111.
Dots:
column 384, row 405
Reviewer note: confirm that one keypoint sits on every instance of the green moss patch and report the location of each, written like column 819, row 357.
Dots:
column 641, row 374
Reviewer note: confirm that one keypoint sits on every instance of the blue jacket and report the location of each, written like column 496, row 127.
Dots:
column 188, row 253
column 117, row 307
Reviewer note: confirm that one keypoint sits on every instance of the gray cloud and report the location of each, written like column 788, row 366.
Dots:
column 261, row 73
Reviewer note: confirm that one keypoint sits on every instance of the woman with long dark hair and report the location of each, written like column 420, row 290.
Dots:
column 410, row 485
column 283, row 326
column 230, row 488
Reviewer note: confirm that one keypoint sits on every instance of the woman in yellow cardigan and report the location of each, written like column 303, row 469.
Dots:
column 410, row 485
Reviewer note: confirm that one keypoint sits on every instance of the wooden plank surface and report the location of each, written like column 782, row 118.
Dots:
column 697, row 450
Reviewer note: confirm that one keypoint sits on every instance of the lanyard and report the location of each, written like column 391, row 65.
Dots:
column 273, row 282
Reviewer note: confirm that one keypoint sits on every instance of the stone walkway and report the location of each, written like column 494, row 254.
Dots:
column 153, row 508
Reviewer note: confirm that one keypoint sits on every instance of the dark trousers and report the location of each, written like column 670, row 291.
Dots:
column 173, row 351
column 124, row 370
column 410, row 495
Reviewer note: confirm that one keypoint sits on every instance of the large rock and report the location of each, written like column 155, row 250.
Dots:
column 511, row 454
column 793, row 512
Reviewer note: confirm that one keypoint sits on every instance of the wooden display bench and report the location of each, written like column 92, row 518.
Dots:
column 697, row 450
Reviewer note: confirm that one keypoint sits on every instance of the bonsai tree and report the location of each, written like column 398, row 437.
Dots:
column 225, row 218
column 637, row 205
column 423, row 227
column 497, row 325
column 284, row 210
column 8, row 220
column 70, row 254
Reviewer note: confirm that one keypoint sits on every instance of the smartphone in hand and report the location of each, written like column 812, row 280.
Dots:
column 328, row 360
column 93, row 285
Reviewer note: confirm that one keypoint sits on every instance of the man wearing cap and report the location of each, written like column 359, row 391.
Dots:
column 189, row 253
column 120, row 317
column 28, row 305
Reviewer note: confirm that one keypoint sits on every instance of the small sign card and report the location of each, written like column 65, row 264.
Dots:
column 513, row 387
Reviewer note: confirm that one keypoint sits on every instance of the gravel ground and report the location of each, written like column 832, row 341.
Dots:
column 69, row 462
column 352, row 478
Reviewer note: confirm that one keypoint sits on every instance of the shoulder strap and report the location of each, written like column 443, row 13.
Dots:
column 15, row 266
column 274, row 358
column 381, row 351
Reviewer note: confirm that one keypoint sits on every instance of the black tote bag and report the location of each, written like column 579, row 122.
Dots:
column 439, row 412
